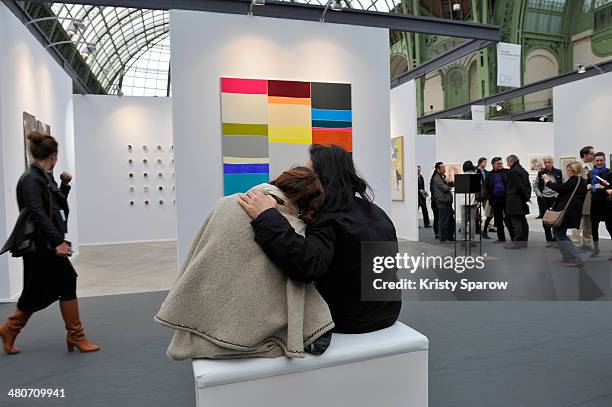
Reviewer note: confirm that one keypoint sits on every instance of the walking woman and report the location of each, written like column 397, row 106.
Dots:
column 330, row 251
column 48, row 274
column 599, row 184
column 571, row 197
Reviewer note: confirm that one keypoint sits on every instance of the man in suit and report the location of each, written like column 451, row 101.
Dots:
column 518, row 194
column 423, row 198
column 495, row 193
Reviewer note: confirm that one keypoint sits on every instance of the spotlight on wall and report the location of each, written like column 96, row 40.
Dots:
column 456, row 7
column 542, row 118
column 335, row 5
column 76, row 26
column 499, row 107
column 582, row 67
column 88, row 49
column 256, row 3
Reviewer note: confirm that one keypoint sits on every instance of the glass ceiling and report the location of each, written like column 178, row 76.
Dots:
column 122, row 35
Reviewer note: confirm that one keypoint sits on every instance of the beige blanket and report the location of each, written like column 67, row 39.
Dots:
column 231, row 301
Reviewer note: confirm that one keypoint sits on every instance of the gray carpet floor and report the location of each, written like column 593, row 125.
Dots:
column 482, row 354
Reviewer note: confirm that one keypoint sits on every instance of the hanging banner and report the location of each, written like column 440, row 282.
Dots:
column 508, row 65
column 478, row 116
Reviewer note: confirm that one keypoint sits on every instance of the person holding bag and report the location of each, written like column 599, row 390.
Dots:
column 39, row 237
column 566, row 212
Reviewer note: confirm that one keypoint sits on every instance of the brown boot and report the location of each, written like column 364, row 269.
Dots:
column 75, row 336
column 11, row 329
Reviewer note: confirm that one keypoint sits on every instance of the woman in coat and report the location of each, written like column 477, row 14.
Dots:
column 330, row 251
column 599, row 184
column 48, row 274
column 573, row 213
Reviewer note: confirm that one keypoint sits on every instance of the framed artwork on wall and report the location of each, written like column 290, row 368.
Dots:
column 535, row 163
column 452, row 170
column 272, row 122
column 397, row 169
column 564, row 162
column 29, row 125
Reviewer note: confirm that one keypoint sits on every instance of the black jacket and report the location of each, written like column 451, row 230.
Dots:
column 601, row 196
column 330, row 254
column 488, row 184
column 518, row 191
column 39, row 193
column 573, row 214
column 556, row 173
column 421, row 182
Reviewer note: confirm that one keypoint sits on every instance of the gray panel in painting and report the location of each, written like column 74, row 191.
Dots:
column 245, row 146
column 285, row 155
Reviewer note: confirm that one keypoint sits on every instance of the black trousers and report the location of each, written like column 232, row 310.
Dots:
column 520, row 229
column 547, row 203
column 542, row 206
column 499, row 214
column 446, row 224
column 600, row 212
column 423, row 207
column 434, row 211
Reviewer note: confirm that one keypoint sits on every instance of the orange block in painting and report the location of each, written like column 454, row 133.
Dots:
column 341, row 138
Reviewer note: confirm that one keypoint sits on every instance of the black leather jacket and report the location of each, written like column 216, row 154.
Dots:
column 38, row 192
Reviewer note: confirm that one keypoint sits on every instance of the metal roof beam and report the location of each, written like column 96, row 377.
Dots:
column 525, row 90
column 451, row 56
column 530, row 114
column 308, row 12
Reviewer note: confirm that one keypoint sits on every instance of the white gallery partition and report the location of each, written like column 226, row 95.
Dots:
column 582, row 117
column 208, row 46
column 113, row 203
column 32, row 82
column 404, row 124
column 461, row 140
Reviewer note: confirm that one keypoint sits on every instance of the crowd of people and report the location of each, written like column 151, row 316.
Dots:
column 580, row 200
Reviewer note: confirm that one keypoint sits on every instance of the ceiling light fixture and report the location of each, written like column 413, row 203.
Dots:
column 542, row 118
column 335, row 5
column 456, row 7
column 256, row 3
column 88, row 49
column 75, row 27
column 499, row 107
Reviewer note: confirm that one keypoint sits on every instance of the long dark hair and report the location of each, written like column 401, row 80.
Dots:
column 337, row 173
column 304, row 189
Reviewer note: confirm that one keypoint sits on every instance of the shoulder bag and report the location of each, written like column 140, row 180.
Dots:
column 554, row 219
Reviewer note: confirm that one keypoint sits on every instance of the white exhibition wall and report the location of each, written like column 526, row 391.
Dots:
column 426, row 155
column 404, row 124
column 208, row 46
column 582, row 116
column 30, row 81
column 460, row 140
column 104, row 127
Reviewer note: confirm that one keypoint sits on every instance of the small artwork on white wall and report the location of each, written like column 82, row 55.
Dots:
column 564, row 162
column 452, row 170
column 535, row 163
column 150, row 167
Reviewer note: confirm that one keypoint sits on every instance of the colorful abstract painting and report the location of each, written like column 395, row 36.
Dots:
column 271, row 123
column 397, row 169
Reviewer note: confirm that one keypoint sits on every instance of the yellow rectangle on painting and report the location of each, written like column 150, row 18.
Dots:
column 240, row 160
column 289, row 115
column 281, row 100
column 290, row 134
column 244, row 109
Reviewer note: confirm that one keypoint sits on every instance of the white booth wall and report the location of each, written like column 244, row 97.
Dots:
column 404, row 124
column 461, row 140
column 582, row 117
column 104, row 126
column 208, row 46
column 30, row 81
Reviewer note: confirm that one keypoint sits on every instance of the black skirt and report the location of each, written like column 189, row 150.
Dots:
column 46, row 279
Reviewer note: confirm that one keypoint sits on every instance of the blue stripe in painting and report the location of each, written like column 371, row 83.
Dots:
column 331, row 124
column 235, row 183
column 246, row 168
column 332, row 115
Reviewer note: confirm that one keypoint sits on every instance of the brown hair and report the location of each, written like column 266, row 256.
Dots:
column 304, row 189
column 42, row 145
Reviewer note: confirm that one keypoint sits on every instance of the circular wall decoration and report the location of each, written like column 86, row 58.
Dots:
column 160, row 174
column 171, row 146
column 131, row 175
column 129, row 147
column 144, row 147
column 146, row 174
column 132, row 189
column 161, row 188
column 146, row 202
column 130, row 161
column 161, row 202
column 146, row 189
column 159, row 160
column 131, row 203
column 174, row 201
column 144, row 161
column 159, row 146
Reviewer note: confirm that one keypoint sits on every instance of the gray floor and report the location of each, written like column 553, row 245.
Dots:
column 482, row 354
column 126, row 268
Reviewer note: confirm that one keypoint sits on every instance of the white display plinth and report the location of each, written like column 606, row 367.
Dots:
column 382, row 368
